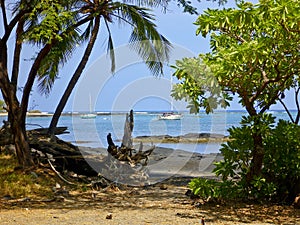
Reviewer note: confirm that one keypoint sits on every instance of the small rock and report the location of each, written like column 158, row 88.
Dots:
column 163, row 187
column 7, row 197
column 109, row 216
column 57, row 186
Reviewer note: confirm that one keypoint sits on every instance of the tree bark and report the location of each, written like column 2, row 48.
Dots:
column 14, row 113
column 258, row 151
column 63, row 101
column 257, row 158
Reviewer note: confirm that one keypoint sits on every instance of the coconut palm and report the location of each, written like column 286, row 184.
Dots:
column 145, row 39
column 46, row 25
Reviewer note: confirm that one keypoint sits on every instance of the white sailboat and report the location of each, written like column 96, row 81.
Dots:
column 89, row 115
column 170, row 115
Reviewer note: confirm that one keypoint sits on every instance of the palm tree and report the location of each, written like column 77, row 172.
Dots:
column 30, row 22
column 145, row 39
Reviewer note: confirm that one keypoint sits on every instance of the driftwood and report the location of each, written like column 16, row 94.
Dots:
column 66, row 156
column 125, row 164
column 126, row 152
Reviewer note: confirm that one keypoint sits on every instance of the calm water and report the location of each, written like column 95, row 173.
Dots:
column 92, row 132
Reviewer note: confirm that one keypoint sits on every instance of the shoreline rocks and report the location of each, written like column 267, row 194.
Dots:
column 186, row 138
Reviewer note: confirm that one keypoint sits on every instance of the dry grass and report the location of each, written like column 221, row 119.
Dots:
column 128, row 205
column 16, row 183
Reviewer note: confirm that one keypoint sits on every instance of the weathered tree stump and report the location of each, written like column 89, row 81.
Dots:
column 126, row 152
column 125, row 163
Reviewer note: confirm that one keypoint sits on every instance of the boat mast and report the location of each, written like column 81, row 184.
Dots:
column 90, row 103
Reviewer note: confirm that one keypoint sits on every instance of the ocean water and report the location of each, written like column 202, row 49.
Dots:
column 93, row 132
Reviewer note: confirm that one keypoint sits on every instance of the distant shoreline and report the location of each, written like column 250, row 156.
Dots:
column 101, row 113
column 34, row 114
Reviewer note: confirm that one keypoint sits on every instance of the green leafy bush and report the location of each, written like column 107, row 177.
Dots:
column 282, row 160
column 280, row 177
column 2, row 104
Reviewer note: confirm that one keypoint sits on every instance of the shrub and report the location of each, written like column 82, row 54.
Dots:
column 280, row 177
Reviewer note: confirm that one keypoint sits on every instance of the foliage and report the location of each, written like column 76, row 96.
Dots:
column 254, row 51
column 2, row 105
column 212, row 189
column 280, row 178
column 282, row 159
column 197, row 80
column 254, row 55
column 47, row 21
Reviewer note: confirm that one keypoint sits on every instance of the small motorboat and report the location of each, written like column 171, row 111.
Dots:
column 170, row 116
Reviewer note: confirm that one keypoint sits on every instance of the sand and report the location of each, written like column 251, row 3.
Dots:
column 163, row 163
column 163, row 202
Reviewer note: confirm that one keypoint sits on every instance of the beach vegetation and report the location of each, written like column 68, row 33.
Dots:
column 16, row 183
column 255, row 57
column 2, row 105
column 280, row 177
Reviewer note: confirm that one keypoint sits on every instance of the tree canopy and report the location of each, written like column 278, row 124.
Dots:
column 2, row 103
column 254, row 52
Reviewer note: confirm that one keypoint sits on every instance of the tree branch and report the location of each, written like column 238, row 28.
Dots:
column 297, row 104
column 233, row 35
column 12, row 24
column 287, row 110
column 3, row 8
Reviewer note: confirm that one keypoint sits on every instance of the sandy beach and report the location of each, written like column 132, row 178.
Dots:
column 162, row 202
column 163, row 163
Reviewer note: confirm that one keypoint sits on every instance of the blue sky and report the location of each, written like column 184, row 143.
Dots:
column 132, row 86
column 176, row 26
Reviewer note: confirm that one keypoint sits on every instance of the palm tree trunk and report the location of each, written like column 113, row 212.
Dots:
column 17, row 126
column 20, row 138
column 63, row 101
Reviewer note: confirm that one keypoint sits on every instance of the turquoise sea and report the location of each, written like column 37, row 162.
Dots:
column 93, row 132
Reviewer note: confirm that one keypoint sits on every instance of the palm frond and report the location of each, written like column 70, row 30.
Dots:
column 110, row 48
column 60, row 53
column 149, row 3
column 153, row 47
column 87, row 32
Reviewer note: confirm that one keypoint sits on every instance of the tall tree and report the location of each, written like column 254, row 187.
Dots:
column 254, row 54
column 145, row 39
column 52, row 27
column 45, row 25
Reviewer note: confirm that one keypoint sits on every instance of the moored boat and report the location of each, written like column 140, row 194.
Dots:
column 170, row 116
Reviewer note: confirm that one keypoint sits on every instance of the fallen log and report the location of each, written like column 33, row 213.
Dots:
column 66, row 156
